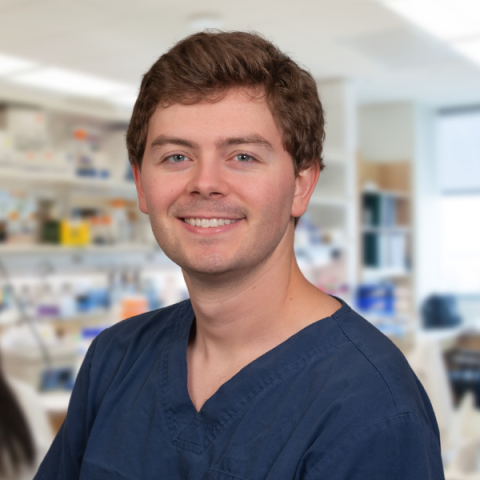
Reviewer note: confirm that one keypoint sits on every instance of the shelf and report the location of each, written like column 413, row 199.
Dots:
column 97, row 318
column 390, row 193
column 392, row 229
column 85, row 182
column 6, row 249
column 49, row 178
column 39, row 176
column 376, row 274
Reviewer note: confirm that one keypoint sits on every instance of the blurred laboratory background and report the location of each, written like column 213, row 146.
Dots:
column 393, row 226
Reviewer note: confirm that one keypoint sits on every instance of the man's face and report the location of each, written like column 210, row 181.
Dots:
column 221, row 165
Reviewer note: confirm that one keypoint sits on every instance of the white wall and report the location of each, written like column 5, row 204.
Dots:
column 386, row 132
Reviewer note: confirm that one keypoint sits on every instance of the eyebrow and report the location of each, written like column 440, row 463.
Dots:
column 253, row 139
column 166, row 140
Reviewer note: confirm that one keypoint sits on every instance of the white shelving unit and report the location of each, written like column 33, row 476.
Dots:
column 387, row 147
column 64, row 184
column 45, row 249
column 56, row 183
column 333, row 204
column 32, row 177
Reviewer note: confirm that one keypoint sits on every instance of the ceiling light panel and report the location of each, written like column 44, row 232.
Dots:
column 71, row 83
column 10, row 65
column 124, row 100
column 446, row 19
column 471, row 49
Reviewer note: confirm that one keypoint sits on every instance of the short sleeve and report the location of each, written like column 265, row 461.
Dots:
column 399, row 448
column 64, row 458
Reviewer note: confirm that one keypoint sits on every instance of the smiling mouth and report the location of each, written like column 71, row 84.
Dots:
column 209, row 222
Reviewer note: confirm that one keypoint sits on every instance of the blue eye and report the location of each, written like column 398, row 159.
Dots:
column 177, row 158
column 243, row 157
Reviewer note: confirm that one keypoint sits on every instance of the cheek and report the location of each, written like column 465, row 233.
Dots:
column 273, row 198
column 159, row 194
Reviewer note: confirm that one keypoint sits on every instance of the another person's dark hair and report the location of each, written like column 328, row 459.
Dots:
column 204, row 66
column 16, row 443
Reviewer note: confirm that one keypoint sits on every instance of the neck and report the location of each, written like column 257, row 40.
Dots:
column 243, row 317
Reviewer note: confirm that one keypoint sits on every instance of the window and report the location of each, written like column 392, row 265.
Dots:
column 458, row 149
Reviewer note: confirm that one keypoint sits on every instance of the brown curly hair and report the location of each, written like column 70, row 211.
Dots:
column 204, row 66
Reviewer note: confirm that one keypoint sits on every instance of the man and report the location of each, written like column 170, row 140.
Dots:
column 259, row 375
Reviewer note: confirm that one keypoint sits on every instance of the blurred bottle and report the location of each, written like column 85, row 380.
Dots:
column 25, row 301
column 67, row 302
column 22, row 222
column 47, row 302
column 121, row 227
column 49, row 220
column 82, row 154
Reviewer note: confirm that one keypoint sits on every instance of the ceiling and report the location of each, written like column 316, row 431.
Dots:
column 386, row 58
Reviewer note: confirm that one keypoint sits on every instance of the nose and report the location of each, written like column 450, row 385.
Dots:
column 208, row 179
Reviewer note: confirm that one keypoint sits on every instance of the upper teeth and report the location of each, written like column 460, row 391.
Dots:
column 205, row 223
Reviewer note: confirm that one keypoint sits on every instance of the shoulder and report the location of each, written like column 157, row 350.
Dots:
column 401, row 447
column 135, row 334
column 384, row 367
column 373, row 414
column 127, row 350
column 132, row 345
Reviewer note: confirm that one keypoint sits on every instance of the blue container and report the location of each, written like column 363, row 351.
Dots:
column 377, row 298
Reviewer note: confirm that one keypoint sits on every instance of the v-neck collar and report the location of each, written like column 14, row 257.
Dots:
column 194, row 430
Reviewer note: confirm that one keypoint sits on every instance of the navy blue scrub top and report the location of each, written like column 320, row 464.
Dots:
column 337, row 400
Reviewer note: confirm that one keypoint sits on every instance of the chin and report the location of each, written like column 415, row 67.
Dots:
column 209, row 265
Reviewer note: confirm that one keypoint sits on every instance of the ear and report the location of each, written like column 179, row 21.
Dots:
column 137, row 176
column 304, row 186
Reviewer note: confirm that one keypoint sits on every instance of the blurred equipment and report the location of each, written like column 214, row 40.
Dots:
column 24, row 360
column 440, row 311
column 463, row 362
column 459, row 429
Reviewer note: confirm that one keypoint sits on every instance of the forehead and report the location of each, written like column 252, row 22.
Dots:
column 239, row 111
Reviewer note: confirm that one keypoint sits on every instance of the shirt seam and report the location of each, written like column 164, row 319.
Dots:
column 336, row 315
column 164, row 377
column 224, row 473
column 266, row 383
column 358, row 432
column 372, row 363
column 270, row 380
column 230, row 414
